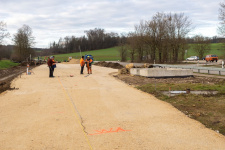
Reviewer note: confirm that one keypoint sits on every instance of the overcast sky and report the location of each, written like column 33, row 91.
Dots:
column 52, row 19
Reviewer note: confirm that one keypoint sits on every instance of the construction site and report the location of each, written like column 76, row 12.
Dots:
column 98, row 111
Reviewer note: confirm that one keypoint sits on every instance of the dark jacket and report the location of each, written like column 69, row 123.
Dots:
column 50, row 62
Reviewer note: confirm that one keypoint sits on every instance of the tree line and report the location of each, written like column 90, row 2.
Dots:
column 94, row 39
column 163, row 39
column 23, row 42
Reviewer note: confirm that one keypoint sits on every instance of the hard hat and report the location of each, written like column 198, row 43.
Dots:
column 88, row 56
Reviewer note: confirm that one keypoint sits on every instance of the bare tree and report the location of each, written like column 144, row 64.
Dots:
column 139, row 34
column 221, row 28
column 164, row 36
column 23, row 41
column 123, row 48
column 6, row 51
column 3, row 32
column 201, row 45
column 158, row 31
column 131, row 40
column 179, row 26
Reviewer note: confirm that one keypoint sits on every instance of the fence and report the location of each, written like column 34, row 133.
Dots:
column 209, row 70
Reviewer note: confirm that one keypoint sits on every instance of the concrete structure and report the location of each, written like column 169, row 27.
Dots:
column 135, row 71
column 161, row 72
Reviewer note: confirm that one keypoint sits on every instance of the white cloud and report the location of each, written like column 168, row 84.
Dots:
column 52, row 19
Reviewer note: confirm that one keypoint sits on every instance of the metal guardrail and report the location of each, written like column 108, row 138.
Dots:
column 208, row 70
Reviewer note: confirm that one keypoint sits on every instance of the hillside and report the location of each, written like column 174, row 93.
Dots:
column 215, row 48
column 112, row 54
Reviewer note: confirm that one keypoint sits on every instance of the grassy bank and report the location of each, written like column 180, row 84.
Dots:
column 112, row 54
column 109, row 54
column 207, row 109
column 4, row 64
column 215, row 48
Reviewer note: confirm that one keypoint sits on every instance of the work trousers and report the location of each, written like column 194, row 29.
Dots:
column 82, row 69
column 89, row 70
column 50, row 71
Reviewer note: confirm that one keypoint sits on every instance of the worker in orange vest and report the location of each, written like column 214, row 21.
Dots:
column 82, row 63
column 89, row 62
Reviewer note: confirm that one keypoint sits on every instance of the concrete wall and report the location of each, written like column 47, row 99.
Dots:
column 135, row 71
column 161, row 72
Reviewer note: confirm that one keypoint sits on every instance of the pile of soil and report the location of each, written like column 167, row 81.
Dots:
column 109, row 64
column 124, row 71
column 7, row 75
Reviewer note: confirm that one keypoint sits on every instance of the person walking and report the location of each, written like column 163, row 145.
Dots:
column 50, row 63
column 82, row 63
column 89, row 62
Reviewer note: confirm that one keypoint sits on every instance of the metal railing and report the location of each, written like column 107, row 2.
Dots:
column 209, row 70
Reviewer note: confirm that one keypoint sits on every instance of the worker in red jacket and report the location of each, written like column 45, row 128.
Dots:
column 50, row 63
column 82, row 63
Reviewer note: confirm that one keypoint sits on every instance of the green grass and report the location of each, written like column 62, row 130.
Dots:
column 207, row 109
column 112, row 54
column 215, row 48
column 4, row 64
column 150, row 88
column 109, row 54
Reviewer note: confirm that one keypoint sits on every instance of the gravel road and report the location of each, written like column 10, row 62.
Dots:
column 95, row 112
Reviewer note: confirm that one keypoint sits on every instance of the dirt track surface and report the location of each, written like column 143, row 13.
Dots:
column 42, row 114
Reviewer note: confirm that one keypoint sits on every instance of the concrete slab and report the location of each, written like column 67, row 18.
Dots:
column 135, row 71
column 161, row 72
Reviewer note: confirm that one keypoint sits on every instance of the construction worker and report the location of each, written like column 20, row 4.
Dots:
column 50, row 63
column 89, row 62
column 82, row 63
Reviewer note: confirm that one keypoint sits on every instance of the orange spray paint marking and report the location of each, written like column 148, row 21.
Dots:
column 110, row 131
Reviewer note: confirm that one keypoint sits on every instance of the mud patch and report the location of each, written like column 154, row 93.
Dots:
column 109, row 64
column 7, row 75
column 139, row 80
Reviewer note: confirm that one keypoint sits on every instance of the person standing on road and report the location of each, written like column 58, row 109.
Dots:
column 82, row 63
column 50, row 63
column 54, row 64
column 89, row 62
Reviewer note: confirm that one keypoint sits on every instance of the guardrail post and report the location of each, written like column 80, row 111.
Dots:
column 198, row 70
column 208, row 71
column 219, row 72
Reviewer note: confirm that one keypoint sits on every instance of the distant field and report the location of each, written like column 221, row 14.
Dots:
column 7, row 64
column 216, row 48
column 111, row 54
